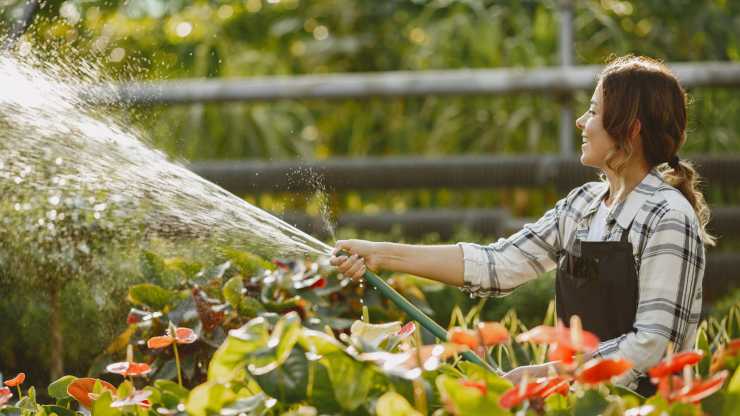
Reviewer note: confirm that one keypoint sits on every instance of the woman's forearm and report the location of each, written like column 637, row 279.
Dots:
column 443, row 263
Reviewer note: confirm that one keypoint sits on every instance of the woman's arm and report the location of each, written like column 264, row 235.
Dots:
column 443, row 263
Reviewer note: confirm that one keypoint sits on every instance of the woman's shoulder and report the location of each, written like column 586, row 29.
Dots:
column 586, row 193
column 670, row 199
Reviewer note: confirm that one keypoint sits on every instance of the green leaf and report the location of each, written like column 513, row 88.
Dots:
column 342, row 368
column 152, row 296
column 734, row 385
column 58, row 389
column 125, row 389
column 684, row 409
column 248, row 263
column 101, row 406
column 280, row 344
column 173, row 388
column 288, row 381
column 468, row 401
column 592, row 403
column 319, row 391
column 250, row 307
column 58, row 410
column 319, row 343
column 208, row 398
column 494, row 382
column 230, row 358
column 393, row 404
column 254, row 405
column 232, row 291
column 556, row 403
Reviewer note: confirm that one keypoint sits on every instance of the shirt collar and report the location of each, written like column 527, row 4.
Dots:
column 594, row 204
column 624, row 212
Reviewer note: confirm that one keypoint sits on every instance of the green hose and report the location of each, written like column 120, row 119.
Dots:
column 414, row 313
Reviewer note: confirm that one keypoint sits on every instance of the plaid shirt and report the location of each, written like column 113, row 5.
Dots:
column 668, row 249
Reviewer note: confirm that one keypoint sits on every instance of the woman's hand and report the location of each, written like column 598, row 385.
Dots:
column 363, row 256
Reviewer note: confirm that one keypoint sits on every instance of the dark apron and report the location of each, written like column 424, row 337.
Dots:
column 600, row 286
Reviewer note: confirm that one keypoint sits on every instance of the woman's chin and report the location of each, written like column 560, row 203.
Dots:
column 587, row 161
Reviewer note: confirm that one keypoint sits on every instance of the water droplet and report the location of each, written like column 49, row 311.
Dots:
column 54, row 200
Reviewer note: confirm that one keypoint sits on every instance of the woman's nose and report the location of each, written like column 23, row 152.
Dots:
column 579, row 123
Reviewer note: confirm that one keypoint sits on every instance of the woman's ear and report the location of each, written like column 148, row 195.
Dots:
column 635, row 129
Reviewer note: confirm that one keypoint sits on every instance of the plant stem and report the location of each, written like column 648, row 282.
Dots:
column 177, row 363
column 57, row 337
column 20, row 393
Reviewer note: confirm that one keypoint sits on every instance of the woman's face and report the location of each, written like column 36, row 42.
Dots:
column 596, row 143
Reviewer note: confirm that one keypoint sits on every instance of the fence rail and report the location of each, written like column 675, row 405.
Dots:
column 725, row 222
column 551, row 80
column 249, row 176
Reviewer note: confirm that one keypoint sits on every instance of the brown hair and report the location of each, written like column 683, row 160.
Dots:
column 643, row 89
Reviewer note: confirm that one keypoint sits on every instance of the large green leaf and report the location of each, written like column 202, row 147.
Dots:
column 393, row 404
column 288, row 381
column 209, row 398
column 152, row 296
column 320, row 392
column 101, row 406
column 351, row 379
column 319, row 343
column 230, row 358
column 284, row 336
column 734, row 385
column 58, row 389
column 592, row 403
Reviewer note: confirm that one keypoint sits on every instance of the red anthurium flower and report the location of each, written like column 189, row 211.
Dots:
column 182, row 336
column 542, row 387
column 318, row 284
column 406, row 330
column 463, row 337
column 598, row 371
column 127, row 368
column 733, row 347
column 81, row 389
column 493, row 333
column 730, row 350
column 518, row 394
column 553, row 385
column 137, row 398
column 674, row 364
column 574, row 338
column 5, row 395
column 486, row 333
column 564, row 342
column 475, row 384
column 16, row 381
column 699, row 389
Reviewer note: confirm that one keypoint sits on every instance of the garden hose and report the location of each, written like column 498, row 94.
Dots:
column 416, row 314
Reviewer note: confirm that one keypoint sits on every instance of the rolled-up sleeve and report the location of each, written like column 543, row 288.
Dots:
column 498, row 268
column 670, row 289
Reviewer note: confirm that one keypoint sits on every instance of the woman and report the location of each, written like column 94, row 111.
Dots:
column 629, row 250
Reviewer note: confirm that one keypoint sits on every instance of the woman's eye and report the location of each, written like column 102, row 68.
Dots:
column 592, row 112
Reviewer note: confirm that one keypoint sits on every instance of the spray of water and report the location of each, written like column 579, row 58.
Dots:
column 67, row 165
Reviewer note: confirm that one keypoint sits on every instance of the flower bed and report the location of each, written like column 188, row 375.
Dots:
column 251, row 337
